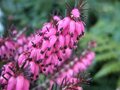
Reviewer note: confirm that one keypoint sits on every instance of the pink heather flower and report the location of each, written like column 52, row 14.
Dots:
column 51, row 32
column 63, row 24
column 34, row 69
column 84, row 62
column 11, row 83
column 6, row 70
column 53, row 40
column 46, row 28
column 11, row 47
column 68, row 53
column 6, row 74
column 67, row 40
column 78, row 28
column 34, row 55
column 4, row 78
column 55, row 43
column 69, row 83
column 61, row 42
column 45, row 51
column 22, row 43
column 7, row 48
column 72, row 27
column 19, row 82
column 22, row 83
column 79, row 65
column 26, row 85
column 44, row 45
column 22, row 59
column 60, row 25
column 56, row 18
column 75, row 12
column 12, row 78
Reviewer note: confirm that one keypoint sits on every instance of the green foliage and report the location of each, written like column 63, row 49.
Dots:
column 55, row 87
column 42, row 78
column 108, row 68
column 28, row 12
column 118, row 84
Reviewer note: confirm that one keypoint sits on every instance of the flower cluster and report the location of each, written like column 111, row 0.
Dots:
column 7, row 49
column 11, row 47
column 45, row 52
column 68, row 76
column 10, row 80
column 78, row 65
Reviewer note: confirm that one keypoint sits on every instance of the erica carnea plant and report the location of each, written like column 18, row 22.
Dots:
column 50, row 51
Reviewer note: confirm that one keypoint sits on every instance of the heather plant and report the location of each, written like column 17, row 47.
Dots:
column 49, row 51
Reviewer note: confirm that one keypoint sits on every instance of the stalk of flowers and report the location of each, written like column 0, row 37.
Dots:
column 69, row 29
column 46, row 50
column 15, row 82
column 7, row 49
column 6, row 73
column 52, row 45
column 22, row 43
column 12, row 45
column 20, row 39
column 79, row 65
column 67, row 75
column 58, row 41
column 13, row 77
column 36, row 51
column 57, row 49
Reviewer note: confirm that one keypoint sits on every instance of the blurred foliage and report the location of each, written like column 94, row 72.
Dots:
column 102, row 26
column 29, row 12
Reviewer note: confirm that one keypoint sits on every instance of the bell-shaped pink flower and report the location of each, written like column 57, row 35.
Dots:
column 26, row 85
column 72, row 28
column 11, row 83
column 20, row 82
column 61, row 41
column 52, row 31
column 53, row 40
column 75, row 12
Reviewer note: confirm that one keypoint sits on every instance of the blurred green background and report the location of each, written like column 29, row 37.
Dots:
column 103, row 26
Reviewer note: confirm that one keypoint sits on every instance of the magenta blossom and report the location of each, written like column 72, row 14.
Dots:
column 48, row 51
